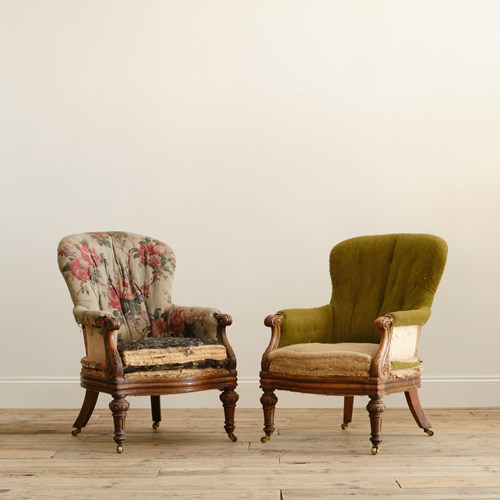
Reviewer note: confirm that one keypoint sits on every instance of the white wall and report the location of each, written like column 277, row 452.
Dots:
column 251, row 136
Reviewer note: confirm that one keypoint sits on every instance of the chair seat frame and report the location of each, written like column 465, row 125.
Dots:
column 377, row 384
column 115, row 384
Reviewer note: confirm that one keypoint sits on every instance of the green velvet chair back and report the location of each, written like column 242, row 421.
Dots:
column 396, row 274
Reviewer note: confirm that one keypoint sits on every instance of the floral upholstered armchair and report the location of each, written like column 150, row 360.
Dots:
column 137, row 342
column 365, row 341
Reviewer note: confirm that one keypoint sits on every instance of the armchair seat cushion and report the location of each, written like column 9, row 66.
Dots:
column 159, row 357
column 342, row 359
column 171, row 353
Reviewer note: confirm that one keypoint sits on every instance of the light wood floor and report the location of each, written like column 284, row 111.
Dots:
column 309, row 457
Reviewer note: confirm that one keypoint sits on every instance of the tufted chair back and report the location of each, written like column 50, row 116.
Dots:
column 373, row 276
column 365, row 342
column 125, row 274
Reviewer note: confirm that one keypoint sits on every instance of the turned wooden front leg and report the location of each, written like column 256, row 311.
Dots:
column 268, row 401
column 119, row 407
column 375, row 410
column 229, row 398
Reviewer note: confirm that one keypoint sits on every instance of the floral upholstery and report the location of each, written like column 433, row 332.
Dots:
column 136, row 341
column 129, row 277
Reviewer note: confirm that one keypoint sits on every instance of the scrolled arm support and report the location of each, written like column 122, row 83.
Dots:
column 274, row 322
column 108, row 323
column 114, row 364
column 224, row 320
column 381, row 365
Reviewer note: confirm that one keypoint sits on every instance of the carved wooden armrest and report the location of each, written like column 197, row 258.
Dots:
column 274, row 322
column 108, row 327
column 381, row 364
column 224, row 320
column 108, row 323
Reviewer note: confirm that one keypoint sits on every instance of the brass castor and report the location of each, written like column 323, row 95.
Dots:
column 119, row 449
column 75, row 432
column 374, row 450
column 429, row 432
column 344, row 426
column 232, row 437
column 156, row 425
column 265, row 439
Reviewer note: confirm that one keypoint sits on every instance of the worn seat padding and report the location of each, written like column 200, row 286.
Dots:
column 171, row 353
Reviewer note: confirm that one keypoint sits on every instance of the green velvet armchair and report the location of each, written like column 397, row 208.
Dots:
column 366, row 340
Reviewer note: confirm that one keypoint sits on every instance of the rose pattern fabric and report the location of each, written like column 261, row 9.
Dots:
column 130, row 276
column 194, row 322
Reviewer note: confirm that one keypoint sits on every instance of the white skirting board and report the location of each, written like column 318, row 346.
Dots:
column 436, row 392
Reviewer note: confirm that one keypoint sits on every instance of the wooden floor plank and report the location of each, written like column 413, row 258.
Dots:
column 85, row 494
column 309, row 457
column 420, row 494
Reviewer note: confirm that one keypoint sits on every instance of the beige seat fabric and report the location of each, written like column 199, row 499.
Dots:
column 344, row 359
column 323, row 359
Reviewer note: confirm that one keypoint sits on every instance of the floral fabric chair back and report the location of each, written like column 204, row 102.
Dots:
column 125, row 274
